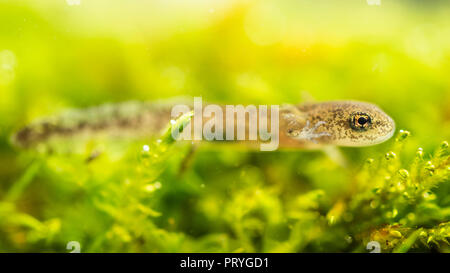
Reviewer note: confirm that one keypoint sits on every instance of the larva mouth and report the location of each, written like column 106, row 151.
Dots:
column 390, row 132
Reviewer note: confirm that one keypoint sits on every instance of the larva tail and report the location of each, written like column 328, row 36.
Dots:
column 114, row 119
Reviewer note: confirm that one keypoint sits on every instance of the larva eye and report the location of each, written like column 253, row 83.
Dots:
column 360, row 121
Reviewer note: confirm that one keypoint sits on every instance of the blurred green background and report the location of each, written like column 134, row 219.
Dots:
column 61, row 54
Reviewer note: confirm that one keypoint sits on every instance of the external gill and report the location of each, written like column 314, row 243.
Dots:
column 309, row 133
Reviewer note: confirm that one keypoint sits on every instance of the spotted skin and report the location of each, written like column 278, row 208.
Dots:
column 340, row 123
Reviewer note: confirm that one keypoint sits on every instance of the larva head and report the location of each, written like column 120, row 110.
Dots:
column 351, row 123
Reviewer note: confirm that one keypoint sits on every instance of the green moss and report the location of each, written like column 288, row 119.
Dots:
column 114, row 195
column 150, row 200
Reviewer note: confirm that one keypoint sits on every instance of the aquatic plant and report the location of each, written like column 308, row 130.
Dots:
column 163, row 196
column 145, row 195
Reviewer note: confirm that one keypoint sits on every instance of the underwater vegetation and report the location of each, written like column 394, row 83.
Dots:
column 154, row 198
column 156, row 195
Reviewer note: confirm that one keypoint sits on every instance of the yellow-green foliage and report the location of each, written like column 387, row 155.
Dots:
column 152, row 199
column 115, row 195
